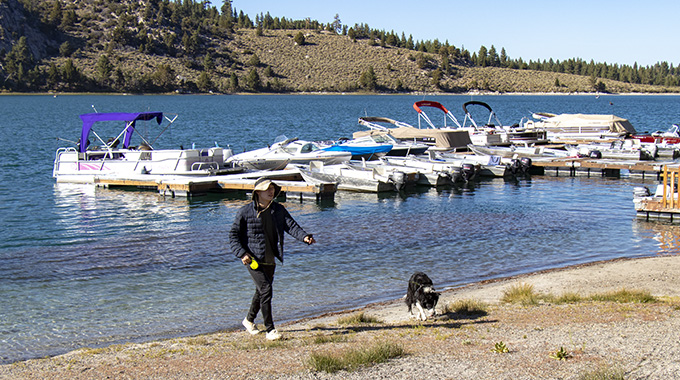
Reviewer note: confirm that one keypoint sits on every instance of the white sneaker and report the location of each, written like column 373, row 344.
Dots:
column 273, row 335
column 250, row 327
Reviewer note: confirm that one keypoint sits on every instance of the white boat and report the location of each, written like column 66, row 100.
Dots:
column 570, row 127
column 514, row 151
column 130, row 153
column 478, row 135
column 286, row 151
column 365, row 147
column 667, row 142
column 403, row 147
column 434, row 172
column 509, row 134
column 489, row 166
column 628, row 149
column 354, row 177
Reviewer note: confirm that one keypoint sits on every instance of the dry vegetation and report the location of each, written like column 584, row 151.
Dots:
column 334, row 63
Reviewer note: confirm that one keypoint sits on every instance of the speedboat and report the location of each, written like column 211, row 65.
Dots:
column 286, row 151
column 628, row 149
column 129, row 153
column 399, row 147
column 356, row 177
column 487, row 166
column 514, row 151
column 366, row 147
column 670, row 136
column 434, row 172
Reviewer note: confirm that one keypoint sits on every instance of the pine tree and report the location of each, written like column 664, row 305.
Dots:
column 253, row 80
column 233, row 82
column 368, row 79
column 204, row 82
column 103, row 69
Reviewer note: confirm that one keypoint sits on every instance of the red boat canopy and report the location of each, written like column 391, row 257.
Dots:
column 429, row 103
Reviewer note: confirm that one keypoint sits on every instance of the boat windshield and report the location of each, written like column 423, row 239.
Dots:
column 381, row 139
column 304, row 148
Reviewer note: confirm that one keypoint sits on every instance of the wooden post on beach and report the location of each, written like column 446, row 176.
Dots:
column 665, row 183
column 673, row 192
column 672, row 173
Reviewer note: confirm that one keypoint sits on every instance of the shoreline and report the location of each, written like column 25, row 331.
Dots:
column 659, row 275
column 415, row 93
column 546, row 281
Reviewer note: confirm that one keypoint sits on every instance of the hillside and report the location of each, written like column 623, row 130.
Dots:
column 159, row 46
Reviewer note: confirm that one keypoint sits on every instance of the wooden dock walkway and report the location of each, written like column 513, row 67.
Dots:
column 588, row 167
column 290, row 181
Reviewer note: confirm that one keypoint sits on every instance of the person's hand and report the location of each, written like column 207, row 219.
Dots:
column 309, row 239
column 246, row 260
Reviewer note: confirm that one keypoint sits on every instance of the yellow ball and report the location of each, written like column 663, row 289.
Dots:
column 253, row 264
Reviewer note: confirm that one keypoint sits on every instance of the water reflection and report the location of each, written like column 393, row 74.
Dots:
column 667, row 235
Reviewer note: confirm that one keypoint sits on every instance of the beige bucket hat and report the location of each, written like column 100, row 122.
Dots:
column 263, row 183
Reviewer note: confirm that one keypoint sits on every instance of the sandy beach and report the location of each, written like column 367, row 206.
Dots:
column 543, row 341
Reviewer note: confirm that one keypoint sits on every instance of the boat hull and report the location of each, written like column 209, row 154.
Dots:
column 84, row 167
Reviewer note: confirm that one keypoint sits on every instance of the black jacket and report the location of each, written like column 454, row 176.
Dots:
column 247, row 235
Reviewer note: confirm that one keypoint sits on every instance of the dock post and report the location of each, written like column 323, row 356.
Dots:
column 665, row 187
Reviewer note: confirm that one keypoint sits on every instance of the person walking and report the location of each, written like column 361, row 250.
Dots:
column 256, row 237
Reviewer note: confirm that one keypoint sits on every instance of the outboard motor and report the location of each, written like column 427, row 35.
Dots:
column 467, row 171
column 595, row 154
column 398, row 179
column 525, row 164
column 641, row 191
column 514, row 166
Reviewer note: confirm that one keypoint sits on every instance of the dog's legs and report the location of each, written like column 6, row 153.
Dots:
column 421, row 313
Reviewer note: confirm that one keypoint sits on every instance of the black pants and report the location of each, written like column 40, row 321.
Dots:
column 263, row 277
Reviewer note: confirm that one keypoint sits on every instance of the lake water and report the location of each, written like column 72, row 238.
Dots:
column 86, row 267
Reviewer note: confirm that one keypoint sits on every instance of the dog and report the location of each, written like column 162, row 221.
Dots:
column 421, row 296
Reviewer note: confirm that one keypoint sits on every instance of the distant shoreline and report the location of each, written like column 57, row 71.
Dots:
column 469, row 93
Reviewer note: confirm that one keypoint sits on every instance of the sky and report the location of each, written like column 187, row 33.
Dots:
column 622, row 32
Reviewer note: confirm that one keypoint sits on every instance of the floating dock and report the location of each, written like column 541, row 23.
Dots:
column 588, row 167
column 664, row 204
column 290, row 181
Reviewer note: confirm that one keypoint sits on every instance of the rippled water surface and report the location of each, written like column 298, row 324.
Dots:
column 90, row 267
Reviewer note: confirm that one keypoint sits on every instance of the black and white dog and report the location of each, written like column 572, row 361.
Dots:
column 422, row 296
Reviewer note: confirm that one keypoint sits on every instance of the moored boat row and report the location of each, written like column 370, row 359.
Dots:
column 384, row 158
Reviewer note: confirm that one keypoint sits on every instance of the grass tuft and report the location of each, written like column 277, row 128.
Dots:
column 525, row 294
column 626, row 296
column 603, row 373
column 355, row 358
column 333, row 338
column 521, row 293
column 466, row 307
column 357, row 319
column 564, row 298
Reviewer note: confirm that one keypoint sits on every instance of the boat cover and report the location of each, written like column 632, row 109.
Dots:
column 568, row 121
column 129, row 118
column 448, row 139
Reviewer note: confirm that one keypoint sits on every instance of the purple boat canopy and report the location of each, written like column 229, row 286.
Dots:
column 129, row 118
